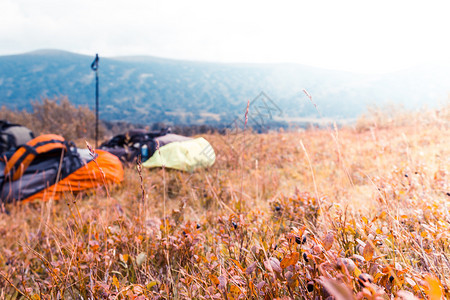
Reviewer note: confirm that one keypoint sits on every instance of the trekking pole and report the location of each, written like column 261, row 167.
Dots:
column 94, row 67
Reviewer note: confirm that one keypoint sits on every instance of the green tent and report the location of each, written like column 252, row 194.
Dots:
column 186, row 155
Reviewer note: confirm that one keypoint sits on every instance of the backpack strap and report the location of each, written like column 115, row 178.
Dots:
column 24, row 156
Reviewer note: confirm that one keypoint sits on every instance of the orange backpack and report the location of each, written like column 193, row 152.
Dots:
column 48, row 166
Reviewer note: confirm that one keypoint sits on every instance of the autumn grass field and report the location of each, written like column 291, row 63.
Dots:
column 359, row 212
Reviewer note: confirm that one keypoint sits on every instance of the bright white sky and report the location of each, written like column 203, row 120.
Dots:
column 363, row 36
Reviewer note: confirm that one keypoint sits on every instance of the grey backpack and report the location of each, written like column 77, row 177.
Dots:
column 13, row 135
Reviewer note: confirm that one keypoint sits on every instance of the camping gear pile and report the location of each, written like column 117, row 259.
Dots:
column 161, row 149
column 47, row 166
column 137, row 142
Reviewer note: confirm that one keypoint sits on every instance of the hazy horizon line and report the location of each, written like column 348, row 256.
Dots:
column 126, row 56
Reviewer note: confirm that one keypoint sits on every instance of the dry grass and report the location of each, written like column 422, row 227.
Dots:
column 351, row 213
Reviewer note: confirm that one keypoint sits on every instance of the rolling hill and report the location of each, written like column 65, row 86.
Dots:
column 149, row 89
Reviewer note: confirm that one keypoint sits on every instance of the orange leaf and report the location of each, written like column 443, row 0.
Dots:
column 289, row 260
column 328, row 241
column 435, row 291
column 252, row 288
column 237, row 264
column 368, row 251
column 214, row 279
column 115, row 282
column 357, row 271
column 234, row 289
column 124, row 257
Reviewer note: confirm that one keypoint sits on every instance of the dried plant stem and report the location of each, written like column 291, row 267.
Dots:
column 242, row 156
column 93, row 155
column 142, row 205
column 313, row 176
column 15, row 287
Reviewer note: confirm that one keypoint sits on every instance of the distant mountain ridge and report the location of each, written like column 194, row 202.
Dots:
column 148, row 89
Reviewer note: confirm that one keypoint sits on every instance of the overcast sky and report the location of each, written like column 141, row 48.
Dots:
column 362, row 36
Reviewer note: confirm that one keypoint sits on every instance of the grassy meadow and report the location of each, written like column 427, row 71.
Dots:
column 357, row 212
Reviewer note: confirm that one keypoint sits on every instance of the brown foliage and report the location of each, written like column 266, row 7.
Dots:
column 362, row 215
column 57, row 116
